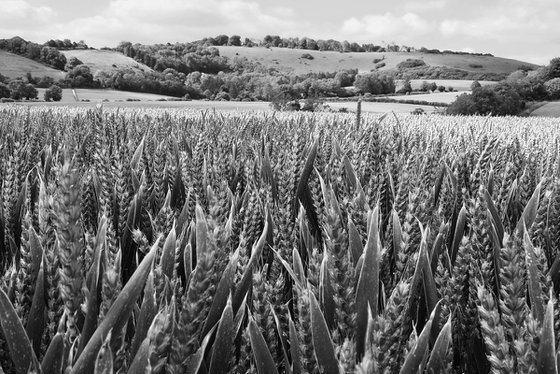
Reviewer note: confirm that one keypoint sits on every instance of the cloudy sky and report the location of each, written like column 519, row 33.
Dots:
column 522, row 29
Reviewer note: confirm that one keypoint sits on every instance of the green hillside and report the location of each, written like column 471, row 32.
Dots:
column 13, row 66
column 104, row 60
column 291, row 60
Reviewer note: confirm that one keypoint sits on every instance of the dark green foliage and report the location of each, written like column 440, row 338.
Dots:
column 410, row 63
column 375, row 83
column 499, row 100
column 53, row 93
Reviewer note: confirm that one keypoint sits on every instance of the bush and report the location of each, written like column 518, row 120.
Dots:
column 475, row 85
column 307, row 56
column 410, row 63
column 476, row 66
column 53, row 93
column 441, row 88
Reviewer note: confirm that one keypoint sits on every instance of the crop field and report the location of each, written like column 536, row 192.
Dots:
column 188, row 241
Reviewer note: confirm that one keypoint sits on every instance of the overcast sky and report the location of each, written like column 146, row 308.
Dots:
column 521, row 29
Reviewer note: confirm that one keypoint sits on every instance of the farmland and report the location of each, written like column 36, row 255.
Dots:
column 195, row 241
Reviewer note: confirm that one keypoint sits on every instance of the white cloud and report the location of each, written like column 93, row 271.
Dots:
column 176, row 20
column 379, row 26
column 148, row 21
column 424, row 6
column 17, row 13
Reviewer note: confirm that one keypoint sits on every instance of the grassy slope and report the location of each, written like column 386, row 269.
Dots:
column 13, row 66
column 551, row 109
column 103, row 60
column 290, row 60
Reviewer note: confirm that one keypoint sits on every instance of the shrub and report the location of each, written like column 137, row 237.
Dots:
column 307, row 56
column 441, row 88
column 476, row 66
column 410, row 63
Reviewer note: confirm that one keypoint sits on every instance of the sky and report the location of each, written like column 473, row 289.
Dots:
column 520, row 29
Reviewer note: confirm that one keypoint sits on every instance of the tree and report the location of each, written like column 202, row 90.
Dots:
column 553, row 88
column 4, row 90
column 433, row 86
column 45, row 82
column 222, row 39
column 21, row 90
column 499, row 100
column 425, row 86
column 375, row 83
column 407, row 87
column 80, row 76
column 554, row 68
column 53, row 93
column 234, row 40
column 51, row 56
column 475, row 85
column 72, row 63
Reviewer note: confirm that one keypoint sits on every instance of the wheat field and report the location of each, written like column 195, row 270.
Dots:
column 184, row 241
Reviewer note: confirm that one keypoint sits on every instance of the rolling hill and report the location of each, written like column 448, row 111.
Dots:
column 282, row 59
column 14, row 66
column 104, row 60
column 291, row 60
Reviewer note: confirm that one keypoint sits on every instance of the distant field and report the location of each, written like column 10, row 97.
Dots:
column 436, row 97
column 327, row 61
column 14, row 66
column 97, row 95
column 115, row 98
column 547, row 110
column 103, row 60
column 370, row 107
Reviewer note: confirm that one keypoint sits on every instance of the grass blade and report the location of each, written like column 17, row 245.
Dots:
column 21, row 351
column 322, row 342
